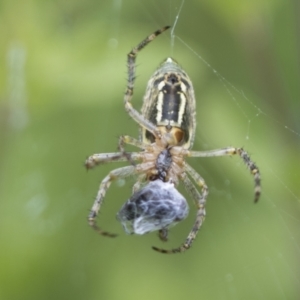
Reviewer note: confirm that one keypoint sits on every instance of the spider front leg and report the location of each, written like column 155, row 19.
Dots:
column 128, row 140
column 138, row 184
column 131, row 57
column 200, row 200
column 119, row 173
column 102, row 158
column 106, row 182
column 233, row 151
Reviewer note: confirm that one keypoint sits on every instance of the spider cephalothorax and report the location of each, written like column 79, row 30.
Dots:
column 167, row 130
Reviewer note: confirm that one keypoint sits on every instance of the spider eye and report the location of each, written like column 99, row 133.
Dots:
column 156, row 206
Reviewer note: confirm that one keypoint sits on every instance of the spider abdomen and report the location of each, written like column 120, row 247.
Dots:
column 172, row 108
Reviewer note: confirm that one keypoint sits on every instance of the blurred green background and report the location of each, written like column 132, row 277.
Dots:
column 62, row 81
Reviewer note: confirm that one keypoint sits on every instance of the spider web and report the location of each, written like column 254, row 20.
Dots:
column 242, row 58
column 234, row 112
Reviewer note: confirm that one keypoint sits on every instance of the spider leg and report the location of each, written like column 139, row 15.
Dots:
column 233, row 151
column 126, row 139
column 138, row 183
column 200, row 200
column 106, row 182
column 131, row 57
column 101, row 158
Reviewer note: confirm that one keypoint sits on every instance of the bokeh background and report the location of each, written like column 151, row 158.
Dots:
column 62, row 79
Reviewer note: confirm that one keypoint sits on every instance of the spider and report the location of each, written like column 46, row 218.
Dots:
column 167, row 124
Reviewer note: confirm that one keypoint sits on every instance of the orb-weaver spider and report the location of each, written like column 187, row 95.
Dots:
column 167, row 129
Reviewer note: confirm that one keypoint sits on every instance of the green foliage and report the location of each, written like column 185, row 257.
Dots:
column 62, row 85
